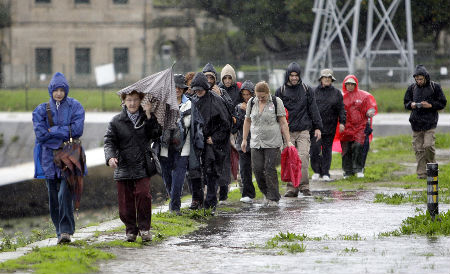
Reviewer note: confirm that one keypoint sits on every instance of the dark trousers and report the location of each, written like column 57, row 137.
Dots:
column 264, row 163
column 245, row 169
column 225, row 179
column 135, row 204
column 173, row 173
column 211, row 192
column 60, row 201
column 195, row 179
column 321, row 154
column 352, row 161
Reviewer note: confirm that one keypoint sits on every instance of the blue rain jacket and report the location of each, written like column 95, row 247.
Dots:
column 70, row 112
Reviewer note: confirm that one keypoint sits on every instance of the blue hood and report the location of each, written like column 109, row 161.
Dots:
column 58, row 81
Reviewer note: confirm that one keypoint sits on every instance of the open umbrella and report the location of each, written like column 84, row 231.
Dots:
column 365, row 149
column 159, row 89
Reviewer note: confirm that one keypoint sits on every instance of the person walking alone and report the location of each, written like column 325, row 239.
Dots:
column 424, row 99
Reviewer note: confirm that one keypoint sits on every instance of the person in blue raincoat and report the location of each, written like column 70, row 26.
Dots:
column 66, row 113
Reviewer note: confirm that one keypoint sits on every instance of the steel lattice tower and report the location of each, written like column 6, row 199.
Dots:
column 332, row 23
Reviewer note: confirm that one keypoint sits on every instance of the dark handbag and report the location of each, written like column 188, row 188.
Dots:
column 152, row 162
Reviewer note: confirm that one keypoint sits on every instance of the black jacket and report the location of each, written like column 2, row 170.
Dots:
column 130, row 144
column 300, row 103
column 422, row 119
column 233, row 92
column 330, row 103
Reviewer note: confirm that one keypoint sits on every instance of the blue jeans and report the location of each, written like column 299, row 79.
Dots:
column 60, row 201
column 173, row 173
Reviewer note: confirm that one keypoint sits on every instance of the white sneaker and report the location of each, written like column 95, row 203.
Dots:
column 272, row 203
column 315, row 177
column 246, row 200
column 326, row 178
column 359, row 175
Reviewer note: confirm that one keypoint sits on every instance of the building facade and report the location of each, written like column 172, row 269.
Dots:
column 74, row 36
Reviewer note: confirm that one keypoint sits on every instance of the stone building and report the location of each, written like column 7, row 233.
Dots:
column 74, row 36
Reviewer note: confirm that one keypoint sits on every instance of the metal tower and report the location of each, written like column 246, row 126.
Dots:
column 332, row 23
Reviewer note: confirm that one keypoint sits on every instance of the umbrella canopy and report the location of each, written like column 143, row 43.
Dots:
column 159, row 89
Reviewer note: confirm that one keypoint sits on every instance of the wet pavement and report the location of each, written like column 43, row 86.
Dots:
column 234, row 242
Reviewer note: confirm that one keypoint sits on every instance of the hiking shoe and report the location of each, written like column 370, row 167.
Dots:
column 326, row 178
column 131, row 237
column 359, row 175
column 145, row 235
column 306, row 192
column 315, row 177
column 246, row 200
column 64, row 238
column 421, row 177
column 290, row 193
column 195, row 205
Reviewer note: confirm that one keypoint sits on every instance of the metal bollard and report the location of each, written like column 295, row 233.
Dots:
column 432, row 189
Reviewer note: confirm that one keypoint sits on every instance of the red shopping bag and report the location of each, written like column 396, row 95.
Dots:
column 291, row 166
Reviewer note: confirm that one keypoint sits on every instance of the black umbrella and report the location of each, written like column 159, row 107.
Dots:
column 365, row 149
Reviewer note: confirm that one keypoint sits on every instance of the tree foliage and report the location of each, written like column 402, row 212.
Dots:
column 286, row 25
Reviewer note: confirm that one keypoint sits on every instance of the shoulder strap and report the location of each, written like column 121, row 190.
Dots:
column 49, row 115
column 283, row 88
column 275, row 103
column 306, row 88
column 432, row 85
column 252, row 102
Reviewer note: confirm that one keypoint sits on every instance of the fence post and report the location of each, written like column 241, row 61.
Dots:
column 432, row 189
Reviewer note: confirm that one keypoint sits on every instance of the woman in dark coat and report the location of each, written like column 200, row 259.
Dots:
column 127, row 150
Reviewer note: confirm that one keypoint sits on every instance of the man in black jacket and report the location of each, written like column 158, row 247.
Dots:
column 424, row 98
column 304, row 116
column 331, row 107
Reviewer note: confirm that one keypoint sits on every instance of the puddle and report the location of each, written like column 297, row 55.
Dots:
column 227, row 244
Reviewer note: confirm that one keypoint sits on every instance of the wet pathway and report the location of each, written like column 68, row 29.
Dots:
column 232, row 242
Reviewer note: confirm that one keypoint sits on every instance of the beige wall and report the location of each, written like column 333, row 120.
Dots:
column 100, row 26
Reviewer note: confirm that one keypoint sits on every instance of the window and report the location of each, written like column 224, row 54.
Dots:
column 43, row 60
column 82, row 60
column 82, row 1
column 121, row 60
column 120, row 1
column 42, row 1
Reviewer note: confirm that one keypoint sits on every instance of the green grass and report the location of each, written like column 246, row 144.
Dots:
column 423, row 224
column 391, row 100
column 16, row 100
column 388, row 100
column 58, row 259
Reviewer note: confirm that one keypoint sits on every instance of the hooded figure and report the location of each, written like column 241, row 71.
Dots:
column 232, row 90
column 216, row 131
column 424, row 98
column 424, row 118
column 359, row 106
column 245, row 165
column 68, row 116
column 357, row 103
column 304, row 117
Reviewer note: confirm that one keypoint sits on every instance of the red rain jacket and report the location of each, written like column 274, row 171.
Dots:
column 357, row 103
column 291, row 166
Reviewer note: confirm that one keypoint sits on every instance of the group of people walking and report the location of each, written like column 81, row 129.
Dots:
column 216, row 117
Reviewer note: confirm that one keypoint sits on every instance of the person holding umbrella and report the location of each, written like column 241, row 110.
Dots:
column 127, row 151
column 360, row 107
column 54, row 123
